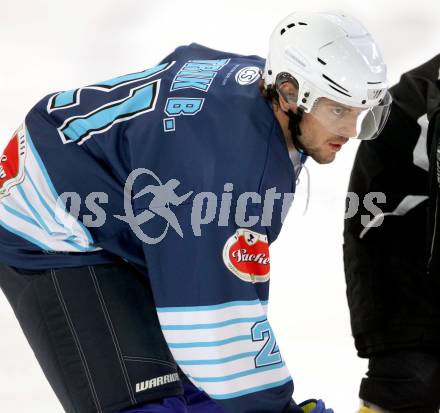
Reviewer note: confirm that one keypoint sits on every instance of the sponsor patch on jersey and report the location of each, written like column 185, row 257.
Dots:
column 246, row 254
column 247, row 75
column 12, row 162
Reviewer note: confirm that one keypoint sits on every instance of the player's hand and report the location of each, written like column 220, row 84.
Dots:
column 314, row 406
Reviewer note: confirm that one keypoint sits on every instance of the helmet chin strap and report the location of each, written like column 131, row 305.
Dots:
column 295, row 131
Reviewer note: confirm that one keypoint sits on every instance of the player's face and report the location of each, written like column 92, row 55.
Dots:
column 326, row 128
column 321, row 142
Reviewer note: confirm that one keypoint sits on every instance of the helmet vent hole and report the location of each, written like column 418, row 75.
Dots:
column 290, row 25
column 321, row 61
column 340, row 91
column 332, row 81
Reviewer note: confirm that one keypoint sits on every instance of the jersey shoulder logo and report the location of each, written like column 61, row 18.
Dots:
column 247, row 75
column 12, row 162
column 246, row 254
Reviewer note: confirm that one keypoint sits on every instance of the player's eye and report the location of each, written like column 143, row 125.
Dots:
column 338, row 111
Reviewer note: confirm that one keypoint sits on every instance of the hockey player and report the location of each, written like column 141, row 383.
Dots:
column 108, row 217
column 391, row 262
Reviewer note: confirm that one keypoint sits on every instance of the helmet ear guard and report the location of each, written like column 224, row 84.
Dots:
column 291, row 95
column 303, row 98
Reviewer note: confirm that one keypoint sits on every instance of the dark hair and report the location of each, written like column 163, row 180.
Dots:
column 271, row 94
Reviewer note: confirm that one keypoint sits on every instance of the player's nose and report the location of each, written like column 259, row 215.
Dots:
column 349, row 129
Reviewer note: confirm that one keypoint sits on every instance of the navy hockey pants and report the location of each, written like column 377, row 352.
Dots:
column 95, row 333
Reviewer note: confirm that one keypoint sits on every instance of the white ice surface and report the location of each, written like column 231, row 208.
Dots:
column 48, row 45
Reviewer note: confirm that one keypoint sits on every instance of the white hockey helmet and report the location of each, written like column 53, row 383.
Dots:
column 333, row 59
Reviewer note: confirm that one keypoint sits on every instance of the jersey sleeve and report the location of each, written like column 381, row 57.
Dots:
column 211, row 296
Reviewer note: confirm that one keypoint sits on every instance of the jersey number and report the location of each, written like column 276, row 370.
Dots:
column 139, row 100
column 269, row 354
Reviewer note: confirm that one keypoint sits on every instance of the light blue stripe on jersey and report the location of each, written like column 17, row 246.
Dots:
column 41, row 165
column 78, row 246
column 212, row 325
column 216, row 361
column 68, row 240
column 33, row 210
column 70, row 98
column 210, row 343
column 64, row 98
column 44, row 226
column 133, row 76
column 41, row 198
column 138, row 101
column 239, row 374
column 209, row 307
column 250, row 390
column 20, row 215
column 49, row 181
column 26, row 237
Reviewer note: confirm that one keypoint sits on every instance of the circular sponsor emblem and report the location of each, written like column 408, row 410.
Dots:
column 246, row 254
column 247, row 75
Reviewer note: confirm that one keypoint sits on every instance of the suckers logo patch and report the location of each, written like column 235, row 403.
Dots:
column 246, row 254
column 12, row 162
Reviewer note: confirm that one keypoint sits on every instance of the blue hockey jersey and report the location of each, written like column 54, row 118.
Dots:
column 168, row 169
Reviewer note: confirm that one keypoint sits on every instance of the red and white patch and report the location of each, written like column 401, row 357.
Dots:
column 246, row 254
column 12, row 162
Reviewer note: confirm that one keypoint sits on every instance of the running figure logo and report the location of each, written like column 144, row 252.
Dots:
column 164, row 195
